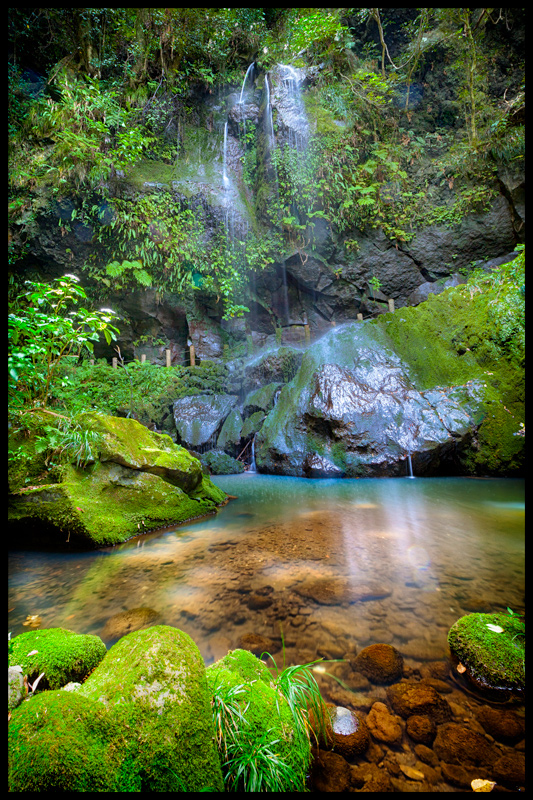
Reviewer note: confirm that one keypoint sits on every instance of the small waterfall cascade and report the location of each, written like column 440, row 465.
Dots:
column 293, row 109
column 252, row 467
column 410, row 465
column 225, row 178
column 250, row 68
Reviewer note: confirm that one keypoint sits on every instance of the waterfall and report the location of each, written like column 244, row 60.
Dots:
column 225, row 178
column 252, row 467
column 410, row 464
column 245, row 78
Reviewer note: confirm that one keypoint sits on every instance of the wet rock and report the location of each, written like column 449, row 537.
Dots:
column 421, row 729
column 457, row 744
column 335, row 591
column 353, row 405
column 199, row 418
column 370, row 778
column 316, row 466
column 330, row 772
column 504, row 724
column 16, row 689
column 349, row 731
column 510, row 768
column 380, row 663
column 279, row 366
column 408, row 699
column 459, row 776
column 384, row 726
column 220, row 463
column 256, row 644
column 426, row 755
column 127, row 621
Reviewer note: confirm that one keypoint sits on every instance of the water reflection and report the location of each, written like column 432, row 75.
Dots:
column 334, row 563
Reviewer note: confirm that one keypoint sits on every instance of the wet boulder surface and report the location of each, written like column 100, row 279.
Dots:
column 354, row 409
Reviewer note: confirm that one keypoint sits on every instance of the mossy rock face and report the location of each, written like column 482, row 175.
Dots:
column 141, row 482
column 106, row 504
column 61, row 654
column 268, row 716
column 494, row 656
column 220, row 463
column 63, row 742
column 130, row 444
column 153, row 683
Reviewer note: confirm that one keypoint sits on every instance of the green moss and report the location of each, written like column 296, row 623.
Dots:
column 268, row 717
column 495, row 659
column 153, row 683
column 452, row 338
column 143, row 481
column 60, row 741
column 61, row 654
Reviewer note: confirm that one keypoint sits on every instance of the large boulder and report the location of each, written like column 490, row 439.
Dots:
column 62, row 655
column 105, row 504
column 199, row 418
column 353, row 404
column 130, row 444
column 141, row 722
column 491, row 648
column 142, row 481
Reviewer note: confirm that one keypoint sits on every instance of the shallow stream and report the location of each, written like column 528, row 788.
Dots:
column 303, row 569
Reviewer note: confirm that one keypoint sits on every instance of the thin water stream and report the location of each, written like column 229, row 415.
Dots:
column 329, row 565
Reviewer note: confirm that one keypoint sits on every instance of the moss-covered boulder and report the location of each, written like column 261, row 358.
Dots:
column 62, row 742
column 105, row 504
column 268, row 720
column 141, row 722
column 61, row 654
column 442, row 383
column 220, row 463
column 153, row 684
column 141, row 481
column 492, row 649
column 130, row 444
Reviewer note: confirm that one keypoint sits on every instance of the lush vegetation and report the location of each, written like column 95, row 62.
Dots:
column 97, row 98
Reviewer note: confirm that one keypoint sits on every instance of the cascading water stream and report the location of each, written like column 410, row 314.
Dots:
column 252, row 467
column 245, row 79
column 410, row 465
column 225, row 178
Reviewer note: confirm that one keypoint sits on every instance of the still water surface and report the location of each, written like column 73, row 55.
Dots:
column 330, row 565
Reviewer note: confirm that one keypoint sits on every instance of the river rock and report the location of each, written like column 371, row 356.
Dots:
column 330, row 772
column 127, row 621
column 457, row 744
column 421, row 728
column 336, row 591
column 349, row 731
column 256, row 643
column 504, row 724
column 416, row 698
column 380, row 663
column 384, row 726
column 199, row 418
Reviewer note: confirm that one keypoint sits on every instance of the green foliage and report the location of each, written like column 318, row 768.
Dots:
column 68, row 440
column 92, row 135
column 252, row 763
column 44, row 329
